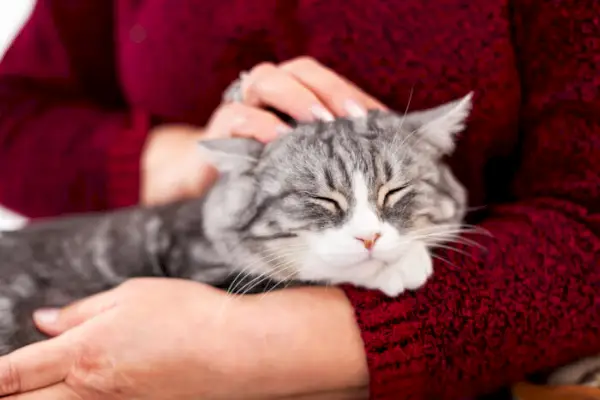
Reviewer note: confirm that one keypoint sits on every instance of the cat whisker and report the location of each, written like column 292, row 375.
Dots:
column 286, row 281
column 467, row 242
column 437, row 241
column 443, row 260
column 450, row 248
column 453, row 238
column 451, row 229
column 271, row 256
column 239, row 279
column 237, row 250
column 266, row 259
column 477, row 229
column 410, row 96
column 231, row 295
column 263, row 277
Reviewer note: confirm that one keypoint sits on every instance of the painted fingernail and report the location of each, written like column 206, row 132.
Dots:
column 282, row 129
column 354, row 109
column 322, row 113
column 46, row 316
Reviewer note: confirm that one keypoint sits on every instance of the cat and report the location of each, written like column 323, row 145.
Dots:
column 359, row 201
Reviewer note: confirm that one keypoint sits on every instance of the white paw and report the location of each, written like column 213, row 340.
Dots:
column 415, row 267
column 408, row 273
column 390, row 282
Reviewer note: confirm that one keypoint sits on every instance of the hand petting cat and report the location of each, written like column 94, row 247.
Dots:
column 305, row 90
column 301, row 88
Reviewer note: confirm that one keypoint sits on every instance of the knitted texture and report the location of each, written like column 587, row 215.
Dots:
column 84, row 81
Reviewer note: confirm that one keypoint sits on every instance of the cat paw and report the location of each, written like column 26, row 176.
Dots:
column 415, row 267
column 408, row 273
column 389, row 282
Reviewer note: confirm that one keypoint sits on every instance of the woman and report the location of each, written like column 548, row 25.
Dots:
column 102, row 102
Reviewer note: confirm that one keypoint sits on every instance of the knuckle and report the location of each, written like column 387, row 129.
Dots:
column 302, row 62
column 94, row 372
column 257, row 81
column 230, row 109
column 10, row 378
column 258, row 88
column 330, row 88
column 260, row 69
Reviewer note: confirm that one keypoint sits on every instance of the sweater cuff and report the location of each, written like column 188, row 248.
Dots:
column 124, row 157
column 394, row 341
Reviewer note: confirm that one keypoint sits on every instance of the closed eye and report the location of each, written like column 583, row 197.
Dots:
column 395, row 194
column 327, row 203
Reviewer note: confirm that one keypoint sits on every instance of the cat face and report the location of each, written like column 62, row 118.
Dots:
column 349, row 201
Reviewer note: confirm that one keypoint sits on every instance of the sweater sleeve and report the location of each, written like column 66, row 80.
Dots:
column 530, row 301
column 68, row 142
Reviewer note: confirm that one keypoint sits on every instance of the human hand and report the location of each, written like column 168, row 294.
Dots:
column 171, row 339
column 305, row 90
column 302, row 88
column 173, row 168
column 148, row 338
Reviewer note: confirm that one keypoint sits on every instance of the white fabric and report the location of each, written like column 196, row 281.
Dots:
column 13, row 14
column 10, row 220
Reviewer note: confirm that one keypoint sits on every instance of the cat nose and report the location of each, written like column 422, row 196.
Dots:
column 369, row 240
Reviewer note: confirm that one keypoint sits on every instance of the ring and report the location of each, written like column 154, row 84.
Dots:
column 233, row 93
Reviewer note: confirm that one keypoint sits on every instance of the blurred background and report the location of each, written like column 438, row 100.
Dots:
column 13, row 14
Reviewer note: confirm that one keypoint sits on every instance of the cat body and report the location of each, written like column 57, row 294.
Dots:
column 360, row 201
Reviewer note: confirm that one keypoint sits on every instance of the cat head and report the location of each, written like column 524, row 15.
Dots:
column 345, row 201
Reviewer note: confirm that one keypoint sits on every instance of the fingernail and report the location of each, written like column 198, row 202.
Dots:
column 46, row 316
column 321, row 113
column 282, row 129
column 354, row 109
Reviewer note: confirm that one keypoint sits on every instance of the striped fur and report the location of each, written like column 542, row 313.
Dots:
column 356, row 201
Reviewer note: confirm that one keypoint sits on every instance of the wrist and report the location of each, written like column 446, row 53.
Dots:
column 304, row 340
column 171, row 166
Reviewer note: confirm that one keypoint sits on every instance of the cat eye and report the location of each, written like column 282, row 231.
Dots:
column 395, row 194
column 327, row 202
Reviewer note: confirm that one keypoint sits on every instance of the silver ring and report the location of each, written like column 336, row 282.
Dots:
column 233, row 93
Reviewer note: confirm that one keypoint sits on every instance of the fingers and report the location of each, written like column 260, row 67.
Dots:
column 301, row 88
column 305, row 90
column 267, row 85
column 56, row 392
column 235, row 119
column 54, row 322
column 35, row 366
column 337, row 93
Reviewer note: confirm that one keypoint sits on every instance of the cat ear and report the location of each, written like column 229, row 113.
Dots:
column 439, row 126
column 231, row 154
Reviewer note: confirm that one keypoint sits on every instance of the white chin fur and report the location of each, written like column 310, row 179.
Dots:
column 408, row 271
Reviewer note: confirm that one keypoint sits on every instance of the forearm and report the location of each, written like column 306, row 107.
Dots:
column 314, row 350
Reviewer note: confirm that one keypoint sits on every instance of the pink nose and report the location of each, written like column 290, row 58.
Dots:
column 369, row 241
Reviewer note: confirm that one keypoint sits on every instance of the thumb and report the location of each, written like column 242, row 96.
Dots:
column 54, row 321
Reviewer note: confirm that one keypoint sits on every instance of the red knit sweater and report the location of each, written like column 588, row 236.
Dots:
column 85, row 79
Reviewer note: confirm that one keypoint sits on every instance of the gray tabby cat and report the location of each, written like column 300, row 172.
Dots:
column 359, row 201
